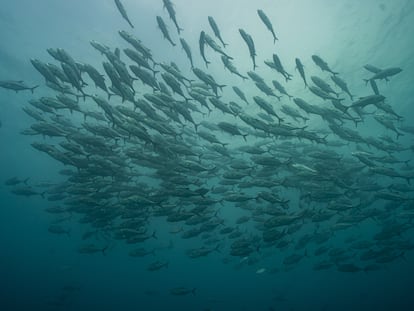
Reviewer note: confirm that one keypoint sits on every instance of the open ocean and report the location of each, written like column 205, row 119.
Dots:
column 137, row 176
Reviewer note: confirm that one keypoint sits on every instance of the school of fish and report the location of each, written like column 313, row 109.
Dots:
column 146, row 142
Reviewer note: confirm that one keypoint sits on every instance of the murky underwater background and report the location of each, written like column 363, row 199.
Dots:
column 323, row 228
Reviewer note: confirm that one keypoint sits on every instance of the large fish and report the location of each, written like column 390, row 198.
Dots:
column 123, row 12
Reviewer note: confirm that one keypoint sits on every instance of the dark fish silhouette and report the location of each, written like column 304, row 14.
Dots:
column 123, row 12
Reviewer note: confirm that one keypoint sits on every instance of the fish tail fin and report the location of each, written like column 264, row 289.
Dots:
column 207, row 62
column 27, row 179
column 356, row 122
column 244, row 137
column 33, row 88
column 103, row 250
column 196, row 125
column 154, row 235
column 366, row 81
column 42, row 194
column 217, row 248
column 109, row 95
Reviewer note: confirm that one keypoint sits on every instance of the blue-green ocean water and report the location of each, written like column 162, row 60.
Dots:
column 40, row 270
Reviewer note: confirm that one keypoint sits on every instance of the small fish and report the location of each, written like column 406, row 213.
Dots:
column 141, row 252
column 343, row 86
column 15, row 181
column 385, row 74
column 374, row 87
column 323, row 85
column 27, row 192
column 322, row 64
column 230, row 66
column 171, row 12
column 182, row 291
column 187, row 51
column 201, row 43
column 240, row 94
column 17, row 86
column 277, row 65
column 123, row 12
column 92, row 249
column 211, row 43
column 267, row 23
column 372, row 68
column 216, row 30
column 261, row 271
column 157, row 265
column 56, row 229
column 164, row 30
column 299, row 67
column 250, row 44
